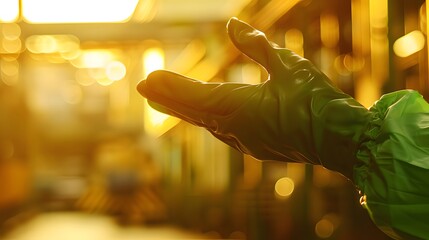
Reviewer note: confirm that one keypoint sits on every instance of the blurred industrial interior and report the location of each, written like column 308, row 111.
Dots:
column 82, row 155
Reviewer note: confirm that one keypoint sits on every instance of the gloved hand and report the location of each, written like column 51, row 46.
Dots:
column 297, row 115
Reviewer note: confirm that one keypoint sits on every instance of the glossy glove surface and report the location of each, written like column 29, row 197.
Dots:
column 297, row 115
column 393, row 165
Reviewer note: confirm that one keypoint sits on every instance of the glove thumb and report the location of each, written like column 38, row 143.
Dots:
column 253, row 43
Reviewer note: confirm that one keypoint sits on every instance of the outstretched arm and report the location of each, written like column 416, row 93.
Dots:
column 297, row 115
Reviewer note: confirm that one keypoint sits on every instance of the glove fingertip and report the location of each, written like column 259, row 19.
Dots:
column 151, row 82
column 239, row 31
column 156, row 82
column 141, row 88
column 231, row 23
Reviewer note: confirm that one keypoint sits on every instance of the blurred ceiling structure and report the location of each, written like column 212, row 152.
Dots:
column 198, row 10
column 149, row 19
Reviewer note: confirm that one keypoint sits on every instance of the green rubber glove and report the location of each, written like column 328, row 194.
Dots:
column 297, row 115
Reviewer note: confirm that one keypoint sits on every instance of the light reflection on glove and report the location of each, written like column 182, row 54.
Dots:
column 297, row 115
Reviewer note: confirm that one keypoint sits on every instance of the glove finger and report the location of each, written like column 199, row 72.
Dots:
column 256, row 46
column 192, row 100
column 251, row 42
column 166, row 110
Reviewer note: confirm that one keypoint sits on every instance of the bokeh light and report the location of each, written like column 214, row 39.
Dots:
column 329, row 30
column 153, row 59
column 294, row 40
column 11, row 31
column 94, row 59
column 41, row 44
column 115, row 70
column 9, row 68
column 284, row 187
column 409, row 44
column 324, row 228
column 11, row 46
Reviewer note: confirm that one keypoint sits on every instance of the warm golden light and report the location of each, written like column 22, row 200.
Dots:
column 104, row 81
column 155, row 123
column 284, row 187
column 10, row 41
column 324, row 228
column 11, row 46
column 153, row 59
column 9, row 10
column 93, row 59
column 329, row 30
column 145, row 11
column 156, row 118
column 66, row 45
column 352, row 64
column 378, row 11
column 205, row 70
column 409, row 44
column 99, row 66
column 41, row 44
column 11, row 31
column 77, row 11
column 251, row 73
column 97, row 73
column 96, row 59
column 83, row 78
column 72, row 94
column 189, row 57
column 294, row 41
column 115, row 70
column 9, row 70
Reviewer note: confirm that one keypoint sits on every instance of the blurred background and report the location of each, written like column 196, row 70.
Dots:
column 82, row 156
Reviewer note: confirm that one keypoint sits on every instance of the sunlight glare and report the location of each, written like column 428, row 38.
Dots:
column 77, row 11
column 153, row 59
column 156, row 123
column 115, row 70
column 9, row 10
column 94, row 59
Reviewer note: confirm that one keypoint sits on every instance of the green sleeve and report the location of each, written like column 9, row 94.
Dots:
column 393, row 165
column 297, row 115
